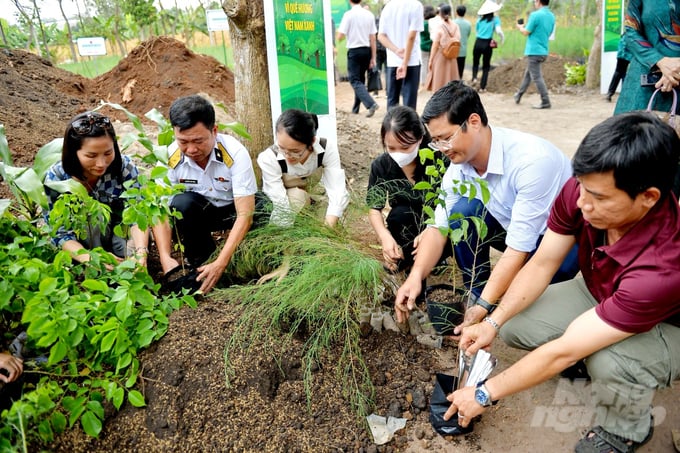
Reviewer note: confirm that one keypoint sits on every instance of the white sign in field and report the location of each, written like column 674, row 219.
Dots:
column 91, row 47
column 216, row 19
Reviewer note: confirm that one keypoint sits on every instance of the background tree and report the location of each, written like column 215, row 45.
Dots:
column 251, row 79
column 594, row 58
column 72, row 47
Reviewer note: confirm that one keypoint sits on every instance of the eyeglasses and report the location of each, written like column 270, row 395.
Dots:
column 437, row 145
column 292, row 153
column 85, row 125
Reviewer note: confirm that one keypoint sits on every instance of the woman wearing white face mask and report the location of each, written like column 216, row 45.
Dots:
column 393, row 175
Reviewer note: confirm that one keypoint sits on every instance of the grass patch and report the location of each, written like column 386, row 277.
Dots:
column 329, row 277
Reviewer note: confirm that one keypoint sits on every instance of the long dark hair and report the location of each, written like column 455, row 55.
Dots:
column 83, row 126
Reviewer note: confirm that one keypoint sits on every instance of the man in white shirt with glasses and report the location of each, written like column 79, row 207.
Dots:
column 523, row 174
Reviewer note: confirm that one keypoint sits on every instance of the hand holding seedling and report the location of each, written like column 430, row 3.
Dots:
column 477, row 336
column 473, row 315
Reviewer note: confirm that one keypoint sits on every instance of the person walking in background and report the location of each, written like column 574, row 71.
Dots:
column 652, row 40
column 380, row 54
column 622, row 60
column 425, row 42
column 358, row 25
column 538, row 30
column 401, row 22
column 487, row 24
column 465, row 29
column 442, row 70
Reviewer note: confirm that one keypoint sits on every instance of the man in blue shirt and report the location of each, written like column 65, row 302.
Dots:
column 538, row 30
column 523, row 174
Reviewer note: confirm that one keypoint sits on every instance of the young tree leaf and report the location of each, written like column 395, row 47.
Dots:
column 91, row 424
column 136, row 399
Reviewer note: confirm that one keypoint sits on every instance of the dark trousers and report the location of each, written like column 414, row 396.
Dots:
column 200, row 218
column 534, row 73
column 358, row 61
column 484, row 51
column 406, row 87
column 472, row 255
column 619, row 75
column 405, row 225
column 461, row 66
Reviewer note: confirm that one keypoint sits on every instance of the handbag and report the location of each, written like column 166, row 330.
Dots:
column 493, row 44
column 667, row 117
column 374, row 83
column 452, row 49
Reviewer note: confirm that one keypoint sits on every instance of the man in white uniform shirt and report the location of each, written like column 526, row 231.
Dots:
column 358, row 25
column 220, row 190
column 401, row 22
column 523, row 173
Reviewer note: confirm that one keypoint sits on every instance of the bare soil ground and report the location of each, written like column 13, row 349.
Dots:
column 190, row 407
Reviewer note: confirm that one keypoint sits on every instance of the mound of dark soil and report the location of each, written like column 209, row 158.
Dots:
column 507, row 77
column 160, row 70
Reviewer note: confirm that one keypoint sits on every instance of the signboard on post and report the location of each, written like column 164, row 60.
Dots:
column 91, row 47
column 216, row 20
column 300, row 60
column 612, row 27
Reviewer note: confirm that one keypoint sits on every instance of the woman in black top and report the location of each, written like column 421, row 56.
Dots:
column 393, row 175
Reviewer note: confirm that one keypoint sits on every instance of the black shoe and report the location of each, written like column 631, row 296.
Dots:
column 541, row 106
column 517, row 97
column 576, row 371
column 609, row 97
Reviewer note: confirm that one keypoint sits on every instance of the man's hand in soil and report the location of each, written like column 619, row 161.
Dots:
column 477, row 336
column 405, row 300
column 209, row 275
column 12, row 367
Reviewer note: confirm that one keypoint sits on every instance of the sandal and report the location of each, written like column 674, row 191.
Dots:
column 597, row 440
column 180, row 277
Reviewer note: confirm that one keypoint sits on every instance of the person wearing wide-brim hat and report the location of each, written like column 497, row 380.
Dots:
column 488, row 7
column 486, row 25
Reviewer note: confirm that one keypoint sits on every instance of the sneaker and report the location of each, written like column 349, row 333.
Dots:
column 517, row 97
column 541, row 106
column 372, row 110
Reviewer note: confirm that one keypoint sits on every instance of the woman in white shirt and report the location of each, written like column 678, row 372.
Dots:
column 290, row 164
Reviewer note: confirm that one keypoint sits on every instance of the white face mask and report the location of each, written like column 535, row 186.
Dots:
column 403, row 159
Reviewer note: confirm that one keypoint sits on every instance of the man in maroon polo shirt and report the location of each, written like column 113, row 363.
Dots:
column 623, row 315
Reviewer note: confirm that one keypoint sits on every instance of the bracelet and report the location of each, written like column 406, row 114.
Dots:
column 489, row 307
column 142, row 249
column 493, row 323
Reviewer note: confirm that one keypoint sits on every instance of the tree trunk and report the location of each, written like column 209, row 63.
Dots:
column 594, row 59
column 251, row 78
column 72, row 47
column 2, row 33
column 45, row 48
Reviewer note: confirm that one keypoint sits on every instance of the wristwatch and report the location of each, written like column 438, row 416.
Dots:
column 482, row 395
column 488, row 306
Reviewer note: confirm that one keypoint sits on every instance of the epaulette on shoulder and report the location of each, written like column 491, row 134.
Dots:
column 224, row 155
column 175, row 158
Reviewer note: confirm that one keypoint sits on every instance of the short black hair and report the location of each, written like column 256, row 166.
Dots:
column 406, row 125
column 640, row 149
column 461, row 10
column 458, row 101
column 445, row 10
column 301, row 126
column 429, row 12
column 188, row 111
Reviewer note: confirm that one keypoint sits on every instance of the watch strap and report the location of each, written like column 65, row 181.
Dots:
column 486, row 305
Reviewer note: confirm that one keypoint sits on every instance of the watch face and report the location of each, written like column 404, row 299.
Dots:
column 481, row 397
